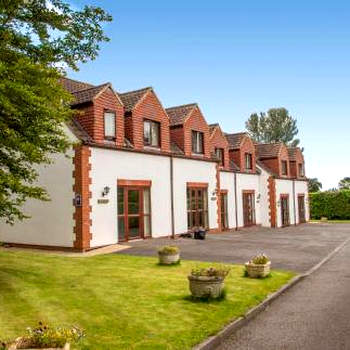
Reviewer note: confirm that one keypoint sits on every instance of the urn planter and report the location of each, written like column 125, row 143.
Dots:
column 258, row 270
column 206, row 286
column 168, row 259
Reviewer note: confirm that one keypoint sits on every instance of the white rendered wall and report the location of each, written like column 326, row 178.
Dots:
column 248, row 182
column 264, row 198
column 227, row 182
column 188, row 170
column 51, row 223
column 284, row 187
column 301, row 187
column 107, row 166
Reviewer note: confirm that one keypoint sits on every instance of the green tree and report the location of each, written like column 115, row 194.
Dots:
column 344, row 184
column 314, row 185
column 277, row 125
column 36, row 38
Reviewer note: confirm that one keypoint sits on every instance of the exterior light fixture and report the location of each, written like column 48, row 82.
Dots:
column 105, row 191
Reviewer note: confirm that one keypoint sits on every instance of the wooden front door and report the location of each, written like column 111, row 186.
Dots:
column 197, row 207
column 285, row 209
column 224, row 214
column 301, row 208
column 249, row 208
column 133, row 213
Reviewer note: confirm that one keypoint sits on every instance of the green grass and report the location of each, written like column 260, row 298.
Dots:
column 122, row 302
column 332, row 221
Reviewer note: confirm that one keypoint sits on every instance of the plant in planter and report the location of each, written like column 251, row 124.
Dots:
column 259, row 266
column 207, row 283
column 169, row 255
column 45, row 337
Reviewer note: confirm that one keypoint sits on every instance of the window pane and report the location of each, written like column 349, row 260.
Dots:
column 120, row 200
column 194, row 142
column 147, row 132
column 200, row 142
column 134, row 226
column 109, row 119
column 133, row 201
column 155, row 134
column 147, row 226
column 146, row 201
column 121, row 229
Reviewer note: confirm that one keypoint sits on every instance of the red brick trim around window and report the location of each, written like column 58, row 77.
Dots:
column 136, row 183
column 197, row 184
column 272, row 201
column 81, row 187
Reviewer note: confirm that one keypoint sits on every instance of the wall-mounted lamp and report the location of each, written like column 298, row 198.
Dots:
column 258, row 198
column 105, row 191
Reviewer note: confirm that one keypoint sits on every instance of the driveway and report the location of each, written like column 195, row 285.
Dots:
column 296, row 248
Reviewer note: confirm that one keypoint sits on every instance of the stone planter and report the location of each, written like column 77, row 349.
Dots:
column 206, row 286
column 168, row 259
column 14, row 347
column 258, row 270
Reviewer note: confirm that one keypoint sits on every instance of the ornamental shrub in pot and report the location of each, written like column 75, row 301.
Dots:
column 259, row 266
column 168, row 255
column 207, row 283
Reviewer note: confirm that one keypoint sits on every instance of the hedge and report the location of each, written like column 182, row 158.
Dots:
column 335, row 205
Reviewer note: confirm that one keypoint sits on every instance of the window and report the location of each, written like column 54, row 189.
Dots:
column 151, row 133
column 248, row 161
column 197, row 142
column 109, row 125
column 284, row 167
column 197, row 207
column 301, row 170
column 219, row 152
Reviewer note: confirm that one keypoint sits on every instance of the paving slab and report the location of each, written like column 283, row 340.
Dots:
column 296, row 248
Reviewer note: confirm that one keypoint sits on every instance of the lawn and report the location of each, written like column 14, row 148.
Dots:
column 122, row 302
column 331, row 221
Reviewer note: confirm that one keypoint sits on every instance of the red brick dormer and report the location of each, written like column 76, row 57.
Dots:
column 146, row 122
column 242, row 151
column 97, row 106
column 189, row 130
column 296, row 163
column 275, row 157
column 219, row 146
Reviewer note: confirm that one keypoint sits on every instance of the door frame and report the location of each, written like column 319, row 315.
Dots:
column 249, row 193
column 202, row 186
column 301, row 195
column 224, row 192
column 134, row 185
column 282, row 197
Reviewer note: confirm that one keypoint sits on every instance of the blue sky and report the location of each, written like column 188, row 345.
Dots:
column 238, row 57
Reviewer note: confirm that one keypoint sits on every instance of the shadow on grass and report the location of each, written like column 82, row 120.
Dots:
column 169, row 265
column 207, row 299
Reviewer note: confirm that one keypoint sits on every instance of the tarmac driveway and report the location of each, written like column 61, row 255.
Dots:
column 296, row 248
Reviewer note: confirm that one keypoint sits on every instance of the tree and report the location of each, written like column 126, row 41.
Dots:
column 277, row 125
column 37, row 39
column 344, row 184
column 314, row 185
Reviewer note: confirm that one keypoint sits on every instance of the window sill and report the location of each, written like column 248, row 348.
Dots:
column 197, row 154
column 152, row 148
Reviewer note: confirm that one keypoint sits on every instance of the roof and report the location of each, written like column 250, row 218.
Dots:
column 292, row 152
column 78, row 130
column 234, row 166
column 264, row 167
column 212, row 127
column 131, row 98
column 268, row 150
column 235, row 140
column 74, row 85
column 175, row 148
column 179, row 114
column 87, row 95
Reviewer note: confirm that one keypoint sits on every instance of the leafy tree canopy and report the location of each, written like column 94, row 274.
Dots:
column 277, row 125
column 314, row 185
column 344, row 184
column 36, row 38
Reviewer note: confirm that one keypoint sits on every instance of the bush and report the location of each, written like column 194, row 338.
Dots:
column 260, row 259
column 168, row 250
column 335, row 205
column 211, row 272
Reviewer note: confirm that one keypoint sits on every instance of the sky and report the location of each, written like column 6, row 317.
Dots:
column 238, row 57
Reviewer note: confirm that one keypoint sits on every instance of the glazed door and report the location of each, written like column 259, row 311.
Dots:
column 130, row 213
column 224, row 217
column 249, row 208
column 197, row 207
column 301, row 208
column 285, row 210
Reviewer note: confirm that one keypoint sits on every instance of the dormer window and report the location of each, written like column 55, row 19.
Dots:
column 197, row 142
column 301, row 170
column 284, row 167
column 151, row 133
column 109, row 125
column 219, row 152
column 248, row 161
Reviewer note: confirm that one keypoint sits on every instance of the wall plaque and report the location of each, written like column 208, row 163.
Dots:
column 103, row 201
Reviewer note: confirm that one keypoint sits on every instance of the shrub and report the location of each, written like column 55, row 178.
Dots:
column 168, row 250
column 52, row 337
column 335, row 205
column 210, row 272
column 260, row 259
